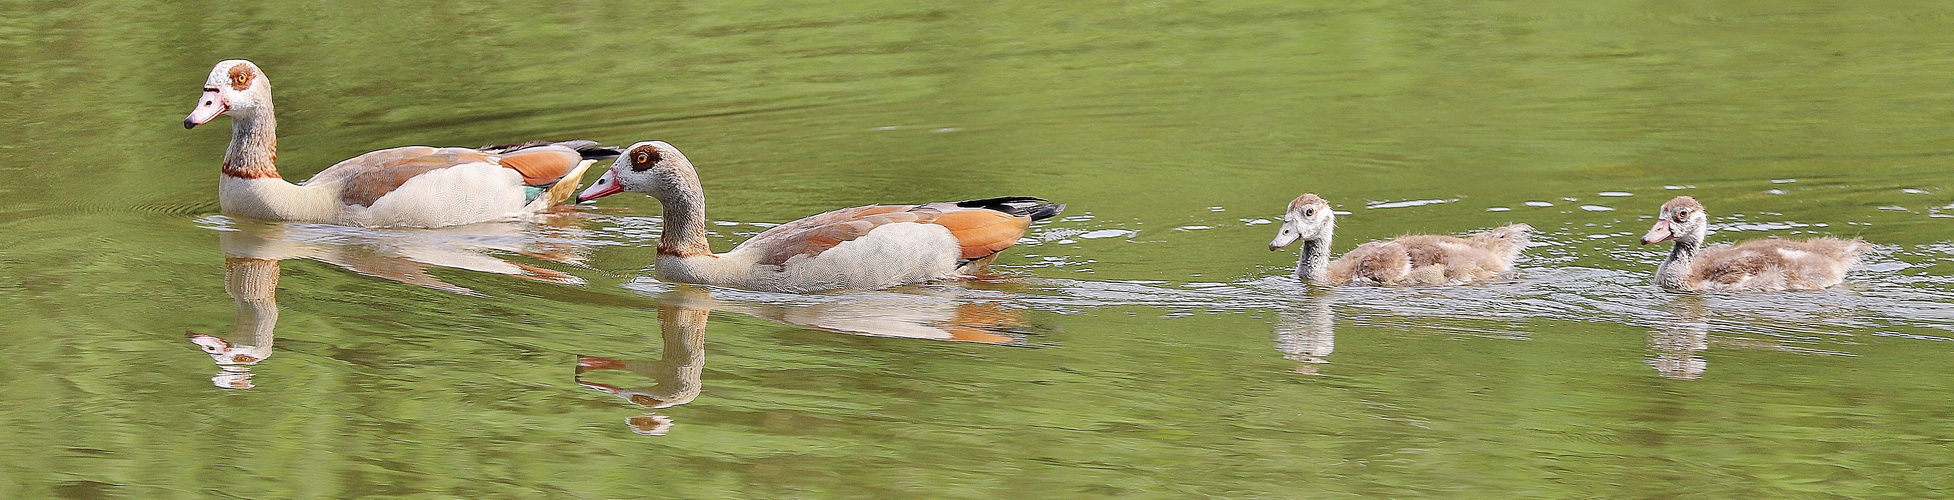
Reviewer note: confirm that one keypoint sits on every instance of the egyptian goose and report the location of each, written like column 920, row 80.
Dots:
column 414, row 186
column 863, row 248
column 1767, row 265
column 1407, row 260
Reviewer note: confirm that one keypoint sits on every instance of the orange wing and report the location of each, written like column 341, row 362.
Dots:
column 983, row 232
column 542, row 166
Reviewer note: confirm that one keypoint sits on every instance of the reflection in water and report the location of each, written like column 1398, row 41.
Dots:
column 948, row 313
column 1881, row 302
column 1307, row 334
column 683, row 311
column 1677, row 342
column 406, row 255
column 252, row 251
column 676, row 371
column 253, row 284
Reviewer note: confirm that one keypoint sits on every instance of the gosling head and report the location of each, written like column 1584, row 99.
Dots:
column 1309, row 217
column 1681, row 219
column 1507, row 238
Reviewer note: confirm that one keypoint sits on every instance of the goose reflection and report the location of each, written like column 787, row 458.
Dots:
column 675, row 377
column 253, row 252
column 1307, row 334
column 676, row 373
column 253, row 284
column 406, row 255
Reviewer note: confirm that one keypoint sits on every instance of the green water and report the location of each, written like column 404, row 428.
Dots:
column 1146, row 344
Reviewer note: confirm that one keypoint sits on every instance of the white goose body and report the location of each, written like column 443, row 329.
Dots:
column 862, row 248
column 273, row 199
column 413, row 186
column 889, row 255
column 1407, row 260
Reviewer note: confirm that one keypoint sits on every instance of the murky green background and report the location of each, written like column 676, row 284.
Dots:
column 1152, row 346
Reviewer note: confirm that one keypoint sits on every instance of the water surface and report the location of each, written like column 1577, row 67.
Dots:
column 1145, row 344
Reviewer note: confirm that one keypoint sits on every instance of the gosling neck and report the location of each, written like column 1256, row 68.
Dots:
column 1673, row 274
column 254, row 144
column 1314, row 263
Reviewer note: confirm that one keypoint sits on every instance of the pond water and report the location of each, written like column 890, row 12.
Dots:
column 1145, row 344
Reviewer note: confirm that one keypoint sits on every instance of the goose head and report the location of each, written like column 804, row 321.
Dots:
column 1309, row 218
column 226, row 353
column 1681, row 219
column 651, row 167
column 235, row 87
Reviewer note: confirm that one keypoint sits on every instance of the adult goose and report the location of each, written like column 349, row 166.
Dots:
column 1767, row 265
column 1407, row 260
column 414, row 186
column 862, row 248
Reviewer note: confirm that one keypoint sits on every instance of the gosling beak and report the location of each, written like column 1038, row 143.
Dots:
column 1284, row 237
column 605, row 186
column 1661, row 232
column 208, row 107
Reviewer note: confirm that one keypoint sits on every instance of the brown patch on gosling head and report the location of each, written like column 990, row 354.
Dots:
column 1305, row 200
column 1682, row 208
column 1682, row 202
column 241, row 76
column 643, row 157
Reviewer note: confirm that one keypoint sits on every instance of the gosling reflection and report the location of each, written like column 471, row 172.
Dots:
column 253, row 252
column 1676, row 342
column 1307, row 335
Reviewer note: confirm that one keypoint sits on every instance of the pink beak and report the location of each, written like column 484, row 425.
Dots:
column 210, row 344
column 1661, row 232
column 605, row 186
column 208, row 107
column 587, row 363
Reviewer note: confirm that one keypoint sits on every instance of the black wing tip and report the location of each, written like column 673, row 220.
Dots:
column 1046, row 211
column 1029, row 206
column 593, row 150
column 590, row 150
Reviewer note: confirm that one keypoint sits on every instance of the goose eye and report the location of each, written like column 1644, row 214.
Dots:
column 643, row 158
column 1309, row 213
column 240, row 77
